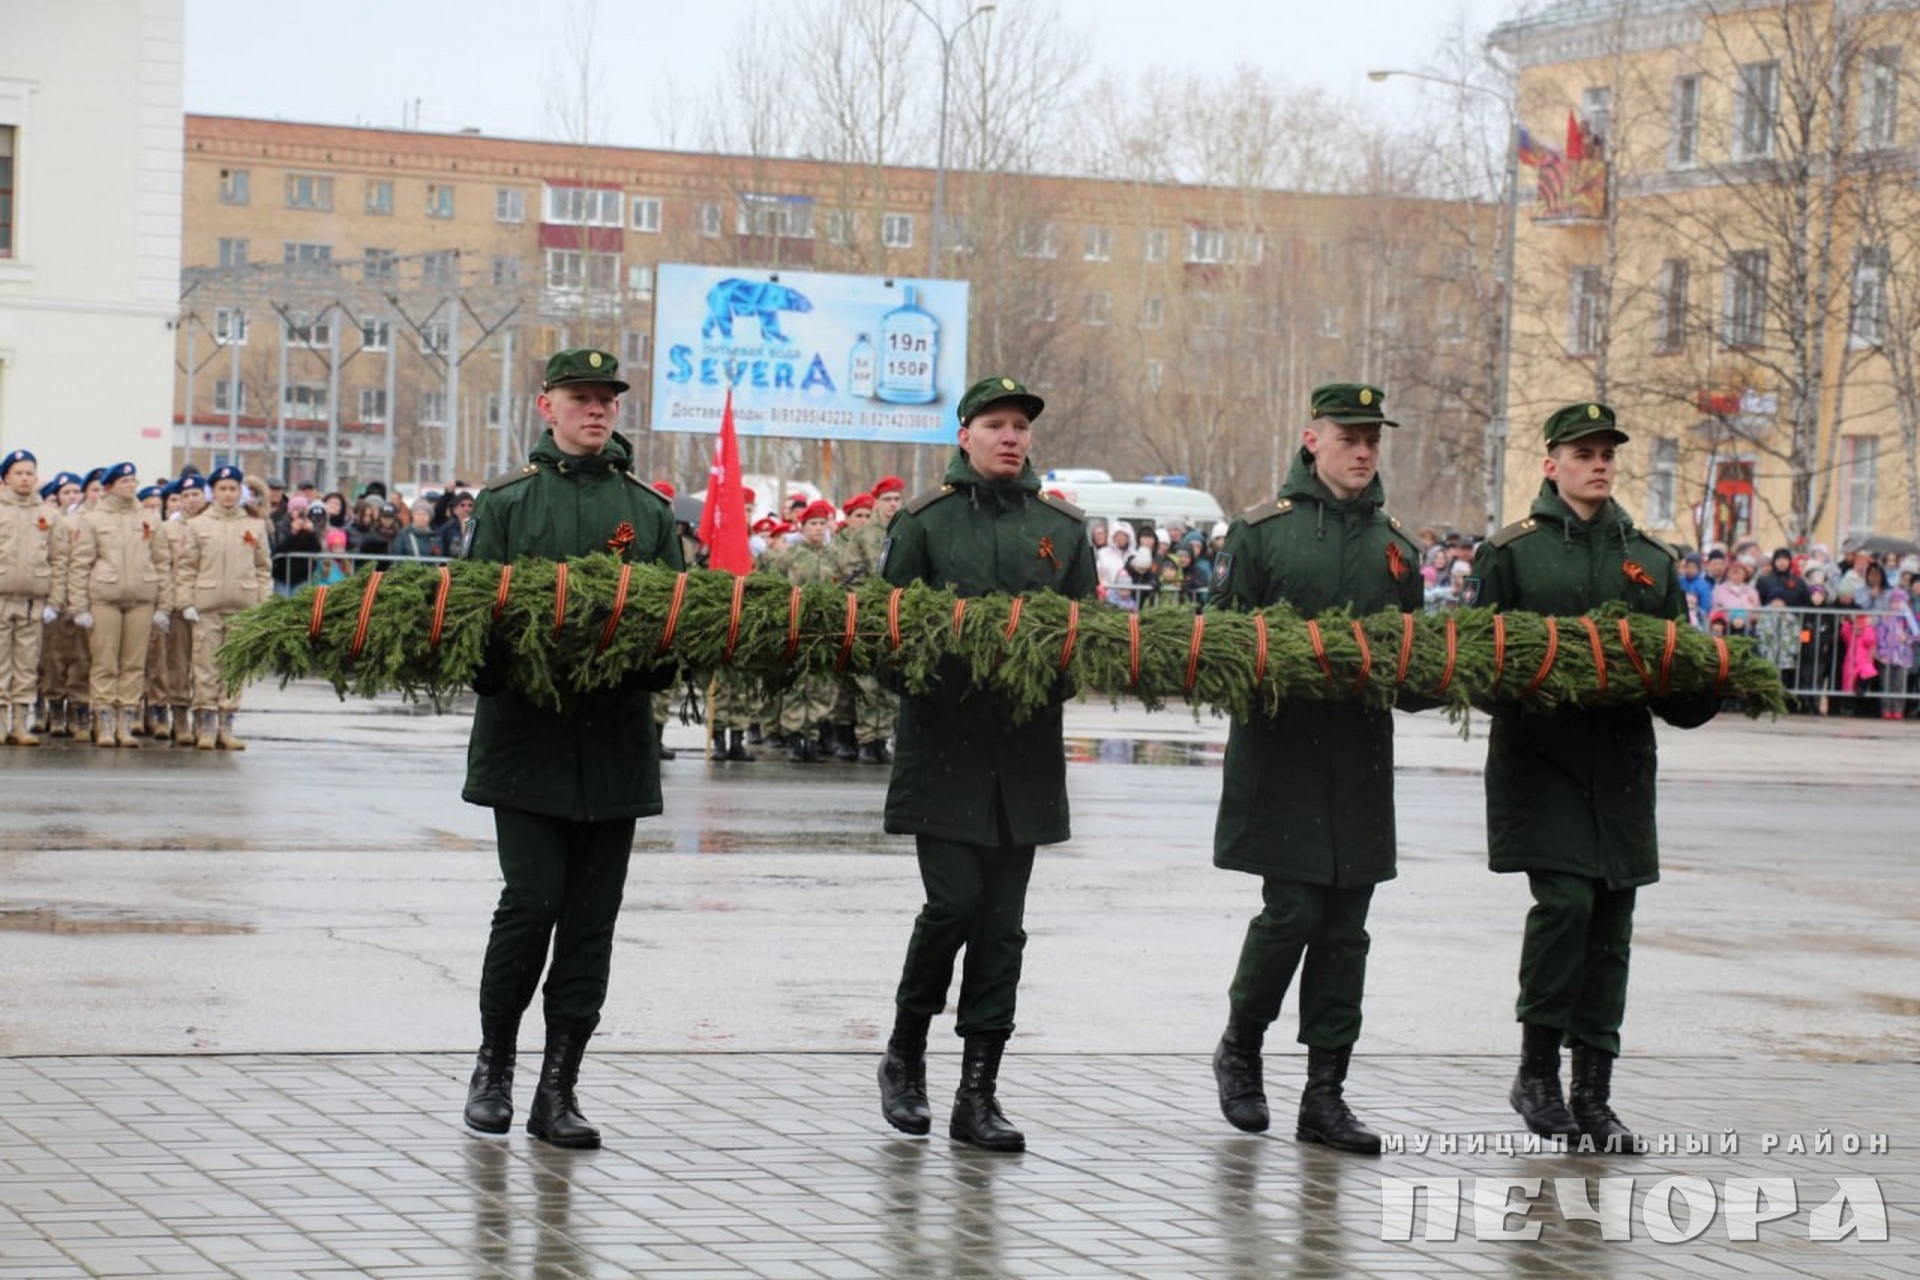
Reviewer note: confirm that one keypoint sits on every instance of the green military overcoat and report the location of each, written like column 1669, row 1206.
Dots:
column 1574, row 791
column 1308, row 793
column 961, row 770
column 600, row 760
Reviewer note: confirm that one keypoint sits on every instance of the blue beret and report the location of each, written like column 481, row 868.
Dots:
column 152, row 491
column 61, row 480
column 18, row 455
column 118, row 471
column 228, row 472
column 50, row 488
column 97, row 474
column 189, row 483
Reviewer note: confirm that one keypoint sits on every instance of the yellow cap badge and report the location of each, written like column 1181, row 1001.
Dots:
column 1007, row 383
column 1366, row 395
column 1593, row 411
column 593, row 358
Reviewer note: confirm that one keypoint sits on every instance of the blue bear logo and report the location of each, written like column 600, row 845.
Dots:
column 732, row 298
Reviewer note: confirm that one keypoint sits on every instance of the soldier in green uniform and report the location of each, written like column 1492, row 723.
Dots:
column 1570, row 796
column 565, row 788
column 808, row 701
column 976, row 792
column 1307, row 801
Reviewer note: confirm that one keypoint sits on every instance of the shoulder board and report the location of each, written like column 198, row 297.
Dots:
column 649, row 488
column 1062, row 506
column 1268, row 510
column 927, row 499
column 513, row 477
column 1399, row 531
column 1667, row 549
column 1515, row 531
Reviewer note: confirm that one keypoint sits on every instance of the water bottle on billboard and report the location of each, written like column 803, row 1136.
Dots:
column 909, row 348
column 860, row 371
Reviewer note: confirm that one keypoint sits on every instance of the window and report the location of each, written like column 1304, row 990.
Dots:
column 1879, row 98
column 434, row 338
column 433, row 408
column 509, row 205
column 234, row 186
column 1206, row 244
column 1042, row 308
column 304, row 400
column 1154, row 375
column 373, row 404
column 1663, row 482
column 229, row 396
column 233, row 251
column 640, row 281
column 636, row 349
column 309, row 333
column 896, row 230
column 1596, row 117
column 6, row 190
column 230, row 327
column 573, row 270
column 439, row 200
column 377, row 264
column 380, row 196
column 1746, row 299
column 1584, row 312
column 493, row 408
column 312, row 257
column 584, row 206
column 706, row 218
column 1155, row 245
column 1683, row 146
column 506, row 272
column 646, row 213
column 1672, row 301
column 956, row 233
column 375, row 334
column 1099, row 307
column 1153, row 311
column 1759, row 100
column 839, row 226
column 783, row 217
column 441, row 267
column 1097, row 244
column 1209, row 311
column 1859, row 463
column 1037, row 240
column 309, row 191
column 1869, row 324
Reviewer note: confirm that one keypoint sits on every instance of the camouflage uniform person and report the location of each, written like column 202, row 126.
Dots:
column 808, row 702
column 858, row 552
column 733, row 703
column 226, row 566
column 26, row 583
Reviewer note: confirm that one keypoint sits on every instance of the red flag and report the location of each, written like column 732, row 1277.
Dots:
column 1576, row 137
column 723, row 520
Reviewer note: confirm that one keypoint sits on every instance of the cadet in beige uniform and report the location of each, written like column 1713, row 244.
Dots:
column 225, row 567
column 116, row 577
column 26, row 581
column 189, row 500
column 66, row 683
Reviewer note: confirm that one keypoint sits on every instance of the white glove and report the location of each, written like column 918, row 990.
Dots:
column 190, row 613
column 83, row 620
column 162, row 621
column 49, row 615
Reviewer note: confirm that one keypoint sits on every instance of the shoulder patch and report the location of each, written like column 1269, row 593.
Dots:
column 649, row 488
column 1514, row 532
column 513, row 477
column 927, row 499
column 1062, row 506
column 1268, row 510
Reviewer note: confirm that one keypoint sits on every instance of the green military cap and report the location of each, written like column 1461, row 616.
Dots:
column 1577, row 421
column 993, row 390
column 1351, row 404
column 582, row 364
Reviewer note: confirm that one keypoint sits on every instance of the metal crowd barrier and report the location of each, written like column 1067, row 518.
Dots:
column 1811, row 647
column 331, row 566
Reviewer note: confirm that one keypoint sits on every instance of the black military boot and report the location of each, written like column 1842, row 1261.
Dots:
column 845, row 749
column 555, row 1116
column 754, row 737
column 1324, row 1114
column 717, row 753
column 1592, row 1092
column 1536, row 1090
column 804, row 750
column 1236, row 1070
column 737, row 747
column 875, row 753
column 490, row 1092
column 903, row 1075
column 660, row 739
column 977, row 1118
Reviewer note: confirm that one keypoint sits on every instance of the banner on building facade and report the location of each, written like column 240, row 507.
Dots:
column 808, row 355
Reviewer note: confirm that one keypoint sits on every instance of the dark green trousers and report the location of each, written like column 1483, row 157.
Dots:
column 1573, row 964
column 564, row 881
column 977, row 899
column 1327, row 926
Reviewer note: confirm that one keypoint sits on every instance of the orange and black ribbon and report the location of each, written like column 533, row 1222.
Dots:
column 1396, row 563
column 622, row 538
column 1636, row 574
column 1047, row 553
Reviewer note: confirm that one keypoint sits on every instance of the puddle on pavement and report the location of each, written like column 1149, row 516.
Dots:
column 83, row 918
column 1155, row 751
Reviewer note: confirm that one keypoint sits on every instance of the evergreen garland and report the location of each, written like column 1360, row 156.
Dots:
column 553, row 655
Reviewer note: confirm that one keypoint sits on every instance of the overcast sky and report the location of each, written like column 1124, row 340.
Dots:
column 491, row 64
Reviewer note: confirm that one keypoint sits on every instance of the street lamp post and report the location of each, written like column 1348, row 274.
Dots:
column 1494, row 447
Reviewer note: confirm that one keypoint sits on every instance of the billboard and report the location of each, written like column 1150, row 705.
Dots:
column 809, row 355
